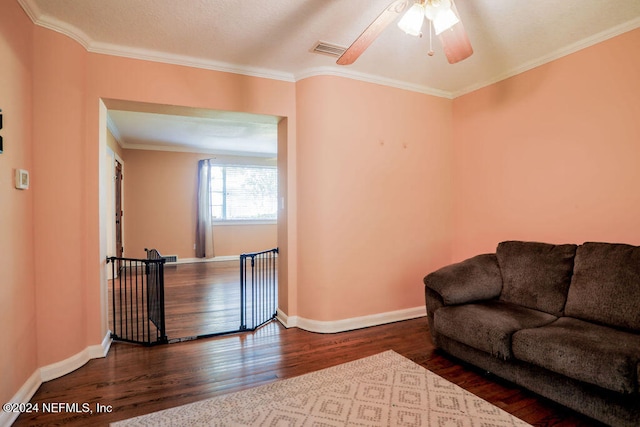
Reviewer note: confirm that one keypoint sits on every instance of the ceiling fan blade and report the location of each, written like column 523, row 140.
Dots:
column 455, row 42
column 372, row 32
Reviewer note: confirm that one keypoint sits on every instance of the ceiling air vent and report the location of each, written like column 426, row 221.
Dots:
column 325, row 48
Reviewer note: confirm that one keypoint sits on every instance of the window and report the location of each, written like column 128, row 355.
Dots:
column 244, row 193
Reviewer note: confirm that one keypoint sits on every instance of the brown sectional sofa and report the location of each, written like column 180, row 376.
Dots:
column 560, row 320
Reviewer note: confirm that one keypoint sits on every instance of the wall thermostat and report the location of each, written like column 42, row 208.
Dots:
column 22, row 179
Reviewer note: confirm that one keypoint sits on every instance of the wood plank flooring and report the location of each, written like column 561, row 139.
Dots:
column 134, row 380
column 137, row 380
column 202, row 298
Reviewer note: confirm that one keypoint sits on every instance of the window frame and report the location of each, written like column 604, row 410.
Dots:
column 248, row 221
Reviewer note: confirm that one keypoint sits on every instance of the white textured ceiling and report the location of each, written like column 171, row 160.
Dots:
column 273, row 38
column 218, row 132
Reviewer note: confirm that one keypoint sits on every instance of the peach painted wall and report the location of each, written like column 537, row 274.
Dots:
column 552, row 154
column 374, row 207
column 238, row 239
column 287, row 225
column 380, row 182
column 160, row 195
column 116, row 78
column 63, row 314
column 18, row 347
column 59, row 197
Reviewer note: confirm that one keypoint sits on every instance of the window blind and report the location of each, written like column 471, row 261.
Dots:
column 244, row 193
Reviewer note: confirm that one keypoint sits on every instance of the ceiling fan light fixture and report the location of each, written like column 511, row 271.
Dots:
column 444, row 20
column 441, row 14
column 433, row 7
column 411, row 22
column 451, row 32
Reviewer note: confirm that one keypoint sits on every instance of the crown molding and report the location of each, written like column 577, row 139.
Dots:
column 35, row 14
column 198, row 150
column 370, row 78
column 567, row 50
column 45, row 21
column 38, row 18
column 187, row 61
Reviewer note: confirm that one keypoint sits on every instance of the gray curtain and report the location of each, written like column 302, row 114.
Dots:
column 204, row 226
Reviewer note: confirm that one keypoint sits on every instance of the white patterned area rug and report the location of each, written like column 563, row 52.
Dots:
column 382, row 390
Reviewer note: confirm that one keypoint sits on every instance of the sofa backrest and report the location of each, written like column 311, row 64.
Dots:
column 605, row 287
column 536, row 275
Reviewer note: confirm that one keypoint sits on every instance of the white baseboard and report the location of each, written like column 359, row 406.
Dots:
column 214, row 259
column 23, row 395
column 58, row 369
column 330, row 327
column 282, row 317
column 74, row 362
column 53, row 371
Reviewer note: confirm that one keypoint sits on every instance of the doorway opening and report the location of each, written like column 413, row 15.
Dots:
column 202, row 297
column 147, row 306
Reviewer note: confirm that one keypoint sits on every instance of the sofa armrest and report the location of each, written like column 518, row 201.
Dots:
column 474, row 279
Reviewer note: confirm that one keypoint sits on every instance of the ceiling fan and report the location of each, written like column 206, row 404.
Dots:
column 442, row 16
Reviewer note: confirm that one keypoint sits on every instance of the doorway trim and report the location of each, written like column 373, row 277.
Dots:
column 286, row 197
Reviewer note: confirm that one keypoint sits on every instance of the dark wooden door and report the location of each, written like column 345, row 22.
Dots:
column 118, row 204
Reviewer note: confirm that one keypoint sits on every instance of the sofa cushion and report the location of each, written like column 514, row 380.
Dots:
column 473, row 279
column 605, row 287
column 536, row 275
column 487, row 326
column 584, row 351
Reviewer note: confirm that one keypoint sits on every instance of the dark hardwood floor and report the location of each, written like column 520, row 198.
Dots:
column 135, row 380
column 202, row 298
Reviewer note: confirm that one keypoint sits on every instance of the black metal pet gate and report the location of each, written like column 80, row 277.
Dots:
column 258, row 288
column 138, row 297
